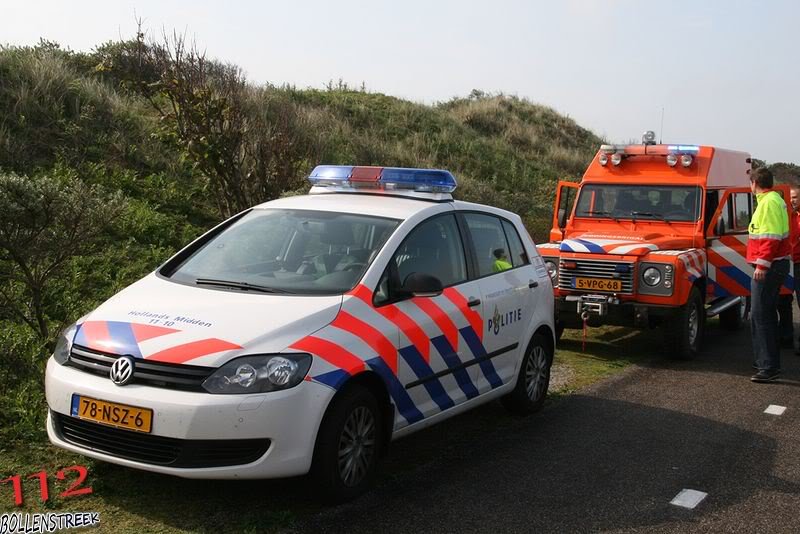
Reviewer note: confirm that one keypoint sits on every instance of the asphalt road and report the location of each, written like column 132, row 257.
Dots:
column 608, row 459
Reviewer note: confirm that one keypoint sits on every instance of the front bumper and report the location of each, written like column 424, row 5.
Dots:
column 288, row 419
column 606, row 310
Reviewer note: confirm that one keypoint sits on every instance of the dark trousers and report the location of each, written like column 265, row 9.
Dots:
column 764, row 316
column 785, row 309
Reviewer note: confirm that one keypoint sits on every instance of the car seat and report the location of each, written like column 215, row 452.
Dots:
column 335, row 234
column 426, row 254
column 625, row 203
column 486, row 241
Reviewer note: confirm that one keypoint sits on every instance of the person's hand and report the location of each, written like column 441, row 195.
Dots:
column 759, row 274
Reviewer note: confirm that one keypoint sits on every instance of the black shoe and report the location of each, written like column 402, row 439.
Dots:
column 765, row 376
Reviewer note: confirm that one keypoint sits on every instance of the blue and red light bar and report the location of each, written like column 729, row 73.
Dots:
column 383, row 178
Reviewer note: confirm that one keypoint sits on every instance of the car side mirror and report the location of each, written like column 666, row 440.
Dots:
column 562, row 217
column 720, row 227
column 422, row 285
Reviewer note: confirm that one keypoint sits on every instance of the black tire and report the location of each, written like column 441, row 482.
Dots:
column 529, row 394
column 354, row 420
column 735, row 317
column 683, row 333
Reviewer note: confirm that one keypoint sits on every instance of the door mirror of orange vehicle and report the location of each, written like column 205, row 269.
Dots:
column 562, row 218
column 720, row 227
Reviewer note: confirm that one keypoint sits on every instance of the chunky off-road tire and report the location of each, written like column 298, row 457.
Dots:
column 349, row 446
column 683, row 333
column 534, row 378
column 735, row 317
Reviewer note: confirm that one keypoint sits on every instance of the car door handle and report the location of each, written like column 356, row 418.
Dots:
column 533, row 284
column 474, row 302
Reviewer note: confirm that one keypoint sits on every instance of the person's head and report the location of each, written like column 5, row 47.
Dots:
column 499, row 253
column 794, row 196
column 761, row 179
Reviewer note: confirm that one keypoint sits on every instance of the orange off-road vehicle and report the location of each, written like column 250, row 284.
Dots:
column 654, row 235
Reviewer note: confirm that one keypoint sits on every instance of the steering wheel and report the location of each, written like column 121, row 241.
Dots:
column 354, row 266
column 675, row 213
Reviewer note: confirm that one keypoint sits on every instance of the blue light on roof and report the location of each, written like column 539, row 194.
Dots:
column 430, row 180
column 683, row 149
column 330, row 172
column 387, row 178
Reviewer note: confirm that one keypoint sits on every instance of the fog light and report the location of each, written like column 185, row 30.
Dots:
column 649, row 137
column 603, row 160
column 616, row 159
column 672, row 160
column 686, row 160
column 552, row 270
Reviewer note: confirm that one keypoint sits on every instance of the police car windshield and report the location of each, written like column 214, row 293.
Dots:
column 640, row 202
column 289, row 251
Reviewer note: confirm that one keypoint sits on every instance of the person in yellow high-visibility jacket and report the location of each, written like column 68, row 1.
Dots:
column 769, row 252
column 501, row 262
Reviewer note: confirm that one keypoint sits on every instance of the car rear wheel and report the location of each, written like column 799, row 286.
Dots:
column 533, row 380
column 349, row 446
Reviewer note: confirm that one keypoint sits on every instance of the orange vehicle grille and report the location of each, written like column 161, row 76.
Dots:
column 623, row 271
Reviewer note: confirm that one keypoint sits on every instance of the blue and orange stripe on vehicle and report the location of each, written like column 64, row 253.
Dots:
column 124, row 338
column 383, row 357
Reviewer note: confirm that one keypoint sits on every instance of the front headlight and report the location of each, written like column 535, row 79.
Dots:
column 552, row 269
column 651, row 276
column 64, row 344
column 259, row 374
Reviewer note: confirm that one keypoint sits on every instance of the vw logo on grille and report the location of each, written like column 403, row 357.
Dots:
column 122, row 371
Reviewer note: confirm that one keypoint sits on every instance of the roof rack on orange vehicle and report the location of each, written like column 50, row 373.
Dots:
column 672, row 153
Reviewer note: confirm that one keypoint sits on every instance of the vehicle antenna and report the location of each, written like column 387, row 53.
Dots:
column 661, row 133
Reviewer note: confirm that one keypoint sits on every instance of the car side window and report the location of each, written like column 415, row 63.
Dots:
column 518, row 254
column 489, row 240
column 743, row 210
column 434, row 247
column 725, row 215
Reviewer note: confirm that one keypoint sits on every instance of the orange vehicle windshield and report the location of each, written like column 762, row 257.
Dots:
column 639, row 202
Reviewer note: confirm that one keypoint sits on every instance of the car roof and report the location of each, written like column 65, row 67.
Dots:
column 462, row 205
column 380, row 205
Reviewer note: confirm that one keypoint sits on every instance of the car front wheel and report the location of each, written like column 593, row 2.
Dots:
column 349, row 446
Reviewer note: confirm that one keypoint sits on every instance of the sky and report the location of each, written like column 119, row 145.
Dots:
column 724, row 73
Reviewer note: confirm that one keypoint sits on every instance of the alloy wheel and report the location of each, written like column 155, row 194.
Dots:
column 536, row 373
column 356, row 446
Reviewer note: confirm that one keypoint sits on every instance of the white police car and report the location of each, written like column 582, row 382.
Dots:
column 306, row 333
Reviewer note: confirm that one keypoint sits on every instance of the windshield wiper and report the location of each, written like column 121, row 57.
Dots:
column 238, row 285
column 648, row 214
column 603, row 213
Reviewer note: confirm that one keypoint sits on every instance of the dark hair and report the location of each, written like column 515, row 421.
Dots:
column 499, row 253
column 763, row 178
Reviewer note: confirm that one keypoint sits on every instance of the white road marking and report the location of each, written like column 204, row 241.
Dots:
column 688, row 498
column 774, row 409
